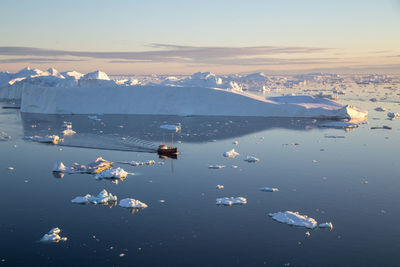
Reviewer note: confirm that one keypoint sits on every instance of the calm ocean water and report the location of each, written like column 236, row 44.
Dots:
column 354, row 182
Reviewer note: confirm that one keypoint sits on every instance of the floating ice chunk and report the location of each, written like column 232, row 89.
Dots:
column 52, row 139
column 68, row 132
column 4, row 136
column 170, row 127
column 231, row 153
column 339, row 124
column 294, row 218
column 326, row 225
column 52, row 236
column 95, row 118
column 216, row 166
column 380, row 109
column 393, row 115
column 132, row 203
column 97, row 166
column 117, row 173
column 219, row 186
column 269, row 189
column 251, row 159
column 228, row 201
column 235, row 142
column 102, row 198
column 59, row 167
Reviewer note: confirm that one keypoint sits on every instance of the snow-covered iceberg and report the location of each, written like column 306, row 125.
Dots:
column 98, row 166
column 131, row 203
column 53, row 236
column 231, row 154
column 117, row 173
column 294, row 218
column 102, row 198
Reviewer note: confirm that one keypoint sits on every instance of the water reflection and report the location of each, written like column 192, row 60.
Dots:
column 142, row 133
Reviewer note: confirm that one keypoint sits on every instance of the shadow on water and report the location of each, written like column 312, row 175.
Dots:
column 142, row 133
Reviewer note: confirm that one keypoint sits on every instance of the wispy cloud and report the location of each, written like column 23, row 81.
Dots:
column 37, row 60
column 159, row 53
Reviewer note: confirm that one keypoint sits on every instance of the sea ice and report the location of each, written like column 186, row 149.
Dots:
column 269, row 189
column 132, row 203
column 102, row 198
column 251, row 159
column 117, row 173
column 52, row 139
column 95, row 167
column 326, row 225
column 216, row 166
column 52, row 236
column 294, row 218
column 170, row 127
column 231, row 154
column 228, row 201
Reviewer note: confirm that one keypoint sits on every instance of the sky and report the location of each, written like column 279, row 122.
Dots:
column 183, row 37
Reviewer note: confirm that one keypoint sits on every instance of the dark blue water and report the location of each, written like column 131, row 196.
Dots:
column 189, row 229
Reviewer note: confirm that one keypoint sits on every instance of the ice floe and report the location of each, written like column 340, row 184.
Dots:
column 216, row 166
column 229, row 201
column 51, row 139
column 170, row 127
column 269, row 189
column 53, row 236
column 294, row 218
column 326, row 225
column 117, row 173
column 95, row 167
column 251, row 159
column 231, row 154
column 219, row 186
column 131, row 203
column 102, row 198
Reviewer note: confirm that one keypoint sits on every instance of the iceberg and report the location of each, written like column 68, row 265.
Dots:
column 216, row 166
column 117, row 173
column 229, row 201
column 131, row 203
column 294, row 218
column 102, row 198
column 95, row 167
column 326, row 225
column 52, row 139
column 52, row 236
column 251, row 159
column 269, row 189
column 231, row 154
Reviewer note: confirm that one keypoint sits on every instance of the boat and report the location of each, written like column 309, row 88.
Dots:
column 166, row 150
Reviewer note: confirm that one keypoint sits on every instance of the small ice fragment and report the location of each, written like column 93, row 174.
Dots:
column 95, row 118
column 216, row 166
column 52, row 236
column 132, row 203
column 162, row 201
column 68, row 131
column 11, row 168
column 393, row 115
column 315, row 161
column 169, row 127
column 122, row 254
column 380, row 109
column 235, row 142
column 294, row 218
column 219, row 186
column 228, row 201
column 269, row 189
column 53, row 139
column 251, row 159
column 308, row 233
column 117, row 173
column 234, row 166
column 326, row 225
column 59, row 167
column 138, row 163
column 231, row 154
